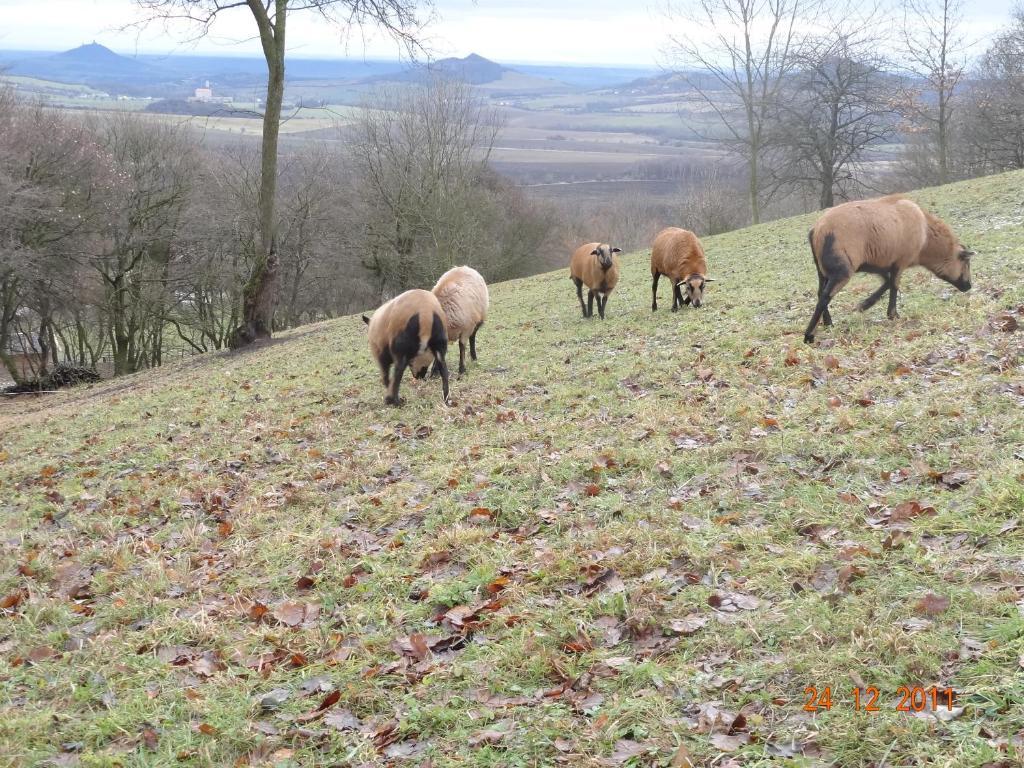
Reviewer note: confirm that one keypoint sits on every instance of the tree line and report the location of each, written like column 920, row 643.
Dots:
column 127, row 237
column 806, row 94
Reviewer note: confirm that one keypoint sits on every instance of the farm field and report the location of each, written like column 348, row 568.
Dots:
column 635, row 542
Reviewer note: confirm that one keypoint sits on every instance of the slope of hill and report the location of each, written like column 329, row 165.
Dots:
column 92, row 64
column 626, row 543
column 475, row 70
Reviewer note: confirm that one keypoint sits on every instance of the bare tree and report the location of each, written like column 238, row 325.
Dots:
column 839, row 105
column 397, row 17
column 992, row 124
column 936, row 55
column 737, row 55
column 420, row 153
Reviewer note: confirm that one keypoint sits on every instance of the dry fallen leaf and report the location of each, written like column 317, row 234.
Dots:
column 931, row 604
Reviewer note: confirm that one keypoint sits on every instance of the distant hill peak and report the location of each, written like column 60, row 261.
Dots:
column 93, row 51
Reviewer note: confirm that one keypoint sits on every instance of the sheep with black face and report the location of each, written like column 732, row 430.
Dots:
column 678, row 254
column 596, row 266
column 411, row 324
column 884, row 236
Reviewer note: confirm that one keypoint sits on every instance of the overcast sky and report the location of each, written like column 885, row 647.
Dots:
column 545, row 31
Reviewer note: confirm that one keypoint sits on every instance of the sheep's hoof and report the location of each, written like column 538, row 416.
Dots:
column 396, row 401
column 808, row 338
column 894, row 316
column 654, row 307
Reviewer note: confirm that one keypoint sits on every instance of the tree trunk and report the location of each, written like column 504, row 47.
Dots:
column 259, row 297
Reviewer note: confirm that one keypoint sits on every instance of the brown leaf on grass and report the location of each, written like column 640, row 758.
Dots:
column 625, row 750
column 292, row 613
column 176, row 655
column 383, row 734
column 831, row 362
column 895, row 540
column 224, row 528
column 338, row 655
column 909, row 510
column 1005, row 322
column 481, row 514
column 688, row 625
column 495, row 734
column 257, row 611
column 931, row 605
column 207, row 664
column 206, row 729
column 791, row 357
column 418, row 646
column 681, row 759
column 957, row 478
column 847, row 574
column 607, row 579
column 500, row 701
column 150, row 738
column 730, row 602
column 729, row 742
column 342, row 720
column 592, row 489
column 304, row 583
column 328, row 701
column 42, row 653
column 12, row 600
column 579, row 644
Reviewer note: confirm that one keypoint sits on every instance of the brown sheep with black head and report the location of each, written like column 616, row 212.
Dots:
column 678, row 254
column 884, row 236
column 411, row 324
column 596, row 266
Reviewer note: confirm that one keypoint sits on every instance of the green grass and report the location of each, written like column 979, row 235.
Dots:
column 592, row 486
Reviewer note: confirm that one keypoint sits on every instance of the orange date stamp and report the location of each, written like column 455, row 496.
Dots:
column 909, row 698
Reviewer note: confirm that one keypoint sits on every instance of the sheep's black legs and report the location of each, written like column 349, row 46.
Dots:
column 440, row 364
column 677, row 297
column 462, row 357
column 392, row 397
column 590, row 304
column 894, row 288
column 826, row 316
column 825, row 295
column 602, row 301
column 871, row 300
column 654, row 292
column 385, row 360
column 472, row 341
column 579, row 294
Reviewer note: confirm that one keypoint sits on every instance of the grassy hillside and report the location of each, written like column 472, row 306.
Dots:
column 634, row 542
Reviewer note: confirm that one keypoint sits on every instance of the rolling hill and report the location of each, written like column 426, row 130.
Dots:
column 631, row 542
column 92, row 64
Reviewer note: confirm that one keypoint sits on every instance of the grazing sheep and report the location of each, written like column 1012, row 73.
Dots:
column 883, row 236
column 463, row 295
column 678, row 255
column 595, row 265
column 403, row 328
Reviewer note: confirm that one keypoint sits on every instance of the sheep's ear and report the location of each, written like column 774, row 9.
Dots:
column 710, row 280
column 965, row 254
column 616, row 250
column 596, row 252
column 366, row 319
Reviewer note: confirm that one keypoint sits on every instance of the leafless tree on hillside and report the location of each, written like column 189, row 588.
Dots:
column 838, row 105
column 936, row 55
column 398, row 18
column 740, row 53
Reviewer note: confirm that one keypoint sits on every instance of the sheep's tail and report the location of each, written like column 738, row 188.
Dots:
column 366, row 319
